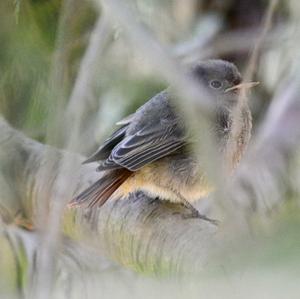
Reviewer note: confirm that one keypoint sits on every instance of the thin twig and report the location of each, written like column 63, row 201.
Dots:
column 266, row 27
column 51, row 212
column 261, row 181
column 243, row 99
column 82, row 94
column 191, row 98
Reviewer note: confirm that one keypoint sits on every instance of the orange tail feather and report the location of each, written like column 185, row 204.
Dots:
column 101, row 190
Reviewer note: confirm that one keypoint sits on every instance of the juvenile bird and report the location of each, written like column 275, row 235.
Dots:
column 151, row 150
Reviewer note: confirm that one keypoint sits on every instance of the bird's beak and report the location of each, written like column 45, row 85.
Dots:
column 245, row 85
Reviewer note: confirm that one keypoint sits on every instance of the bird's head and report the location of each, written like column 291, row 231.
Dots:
column 222, row 80
column 223, row 83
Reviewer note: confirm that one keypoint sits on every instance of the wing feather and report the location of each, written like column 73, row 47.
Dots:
column 104, row 151
column 153, row 132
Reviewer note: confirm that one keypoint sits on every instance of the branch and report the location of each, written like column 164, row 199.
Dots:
column 82, row 99
column 18, row 251
column 136, row 232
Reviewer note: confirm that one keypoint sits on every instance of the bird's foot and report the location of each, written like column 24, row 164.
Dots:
column 194, row 213
column 200, row 216
column 153, row 200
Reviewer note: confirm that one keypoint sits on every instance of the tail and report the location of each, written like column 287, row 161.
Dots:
column 100, row 191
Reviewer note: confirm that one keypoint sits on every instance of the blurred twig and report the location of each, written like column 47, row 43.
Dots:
column 232, row 42
column 63, row 184
column 262, row 178
column 207, row 28
column 191, row 98
column 234, row 141
column 82, row 98
column 160, row 58
column 74, row 261
column 17, row 4
column 266, row 27
column 58, row 77
column 49, row 219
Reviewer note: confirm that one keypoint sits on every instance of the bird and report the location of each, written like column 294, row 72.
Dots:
column 151, row 151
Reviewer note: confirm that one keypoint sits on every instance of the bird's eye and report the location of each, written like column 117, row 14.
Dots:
column 216, row 84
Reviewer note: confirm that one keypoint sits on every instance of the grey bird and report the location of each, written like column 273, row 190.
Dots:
column 151, row 149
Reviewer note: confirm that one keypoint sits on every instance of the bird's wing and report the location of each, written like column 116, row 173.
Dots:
column 138, row 150
column 155, row 139
column 153, row 132
column 126, row 120
column 105, row 149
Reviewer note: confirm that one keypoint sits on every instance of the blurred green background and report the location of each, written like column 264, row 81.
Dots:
column 29, row 38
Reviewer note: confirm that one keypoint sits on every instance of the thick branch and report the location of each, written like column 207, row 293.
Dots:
column 143, row 234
